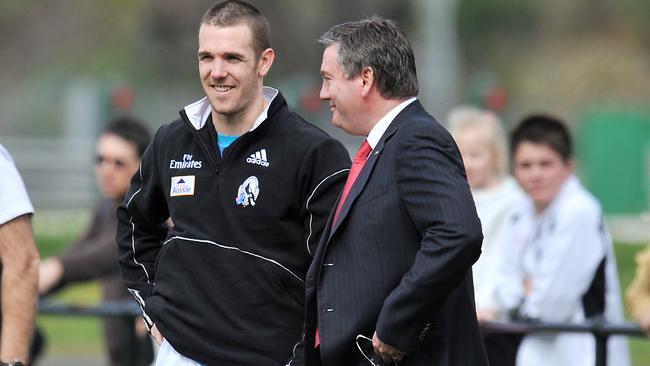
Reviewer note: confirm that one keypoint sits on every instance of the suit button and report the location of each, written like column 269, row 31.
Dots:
column 328, row 310
column 424, row 331
column 328, row 264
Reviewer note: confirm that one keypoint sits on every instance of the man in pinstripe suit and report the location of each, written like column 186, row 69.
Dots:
column 391, row 281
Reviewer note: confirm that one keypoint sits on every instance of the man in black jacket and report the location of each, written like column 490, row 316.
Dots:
column 248, row 186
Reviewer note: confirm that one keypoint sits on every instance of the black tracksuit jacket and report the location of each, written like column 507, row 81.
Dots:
column 225, row 285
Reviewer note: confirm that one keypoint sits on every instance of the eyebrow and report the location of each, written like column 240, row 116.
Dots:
column 235, row 54
column 203, row 53
column 225, row 54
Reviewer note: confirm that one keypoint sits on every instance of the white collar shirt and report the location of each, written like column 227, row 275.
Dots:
column 381, row 126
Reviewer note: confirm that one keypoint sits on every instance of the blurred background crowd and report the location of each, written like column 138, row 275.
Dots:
column 69, row 66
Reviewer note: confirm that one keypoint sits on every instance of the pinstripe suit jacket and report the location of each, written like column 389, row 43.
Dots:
column 398, row 260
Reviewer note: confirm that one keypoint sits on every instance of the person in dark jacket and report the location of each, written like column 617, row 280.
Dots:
column 248, row 185
column 391, row 281
column 93, row 255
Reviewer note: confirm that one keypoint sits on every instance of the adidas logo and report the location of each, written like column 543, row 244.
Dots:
column 258, row 158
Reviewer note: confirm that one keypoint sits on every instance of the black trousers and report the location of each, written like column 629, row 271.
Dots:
column 502, row 348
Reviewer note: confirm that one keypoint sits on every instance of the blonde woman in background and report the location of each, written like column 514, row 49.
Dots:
column 482, row 143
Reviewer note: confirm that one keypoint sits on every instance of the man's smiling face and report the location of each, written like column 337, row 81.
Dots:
column 230, row 73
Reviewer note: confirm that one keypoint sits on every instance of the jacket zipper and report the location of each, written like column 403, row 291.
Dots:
column 206, row 150
column 202, row 144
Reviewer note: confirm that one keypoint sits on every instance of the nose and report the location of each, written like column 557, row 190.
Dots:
column 536, row 172
column 324, row 93
column 104, row 171
column 218, row 70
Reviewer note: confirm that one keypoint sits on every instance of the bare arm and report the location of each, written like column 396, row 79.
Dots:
column 638, row 294
column 19, row 288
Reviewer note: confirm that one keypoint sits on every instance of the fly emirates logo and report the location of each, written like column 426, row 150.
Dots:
column 186, row 163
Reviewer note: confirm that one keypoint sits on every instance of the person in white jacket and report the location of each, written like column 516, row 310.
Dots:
column 558, row 264
column 482, row 143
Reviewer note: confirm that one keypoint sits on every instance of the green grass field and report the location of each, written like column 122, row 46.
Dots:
column 74, row 335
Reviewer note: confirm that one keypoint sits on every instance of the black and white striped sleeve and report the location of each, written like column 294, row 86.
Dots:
column 141, row 229
column 325, row 168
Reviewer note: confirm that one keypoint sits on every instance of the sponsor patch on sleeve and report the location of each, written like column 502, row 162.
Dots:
column 182, row 186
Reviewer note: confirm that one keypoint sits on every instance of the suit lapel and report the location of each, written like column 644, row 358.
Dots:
column 364, row 175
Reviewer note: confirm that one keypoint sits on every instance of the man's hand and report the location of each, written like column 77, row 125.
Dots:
column 140, row 327
column 386, row 352
column 156, row 335
column 50, row 272
column 486, row 314
column 528, row 286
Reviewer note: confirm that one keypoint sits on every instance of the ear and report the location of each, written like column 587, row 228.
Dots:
column 367, row 81
column 265, row 61
column 570, row 165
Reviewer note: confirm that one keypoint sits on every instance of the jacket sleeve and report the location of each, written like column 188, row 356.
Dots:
column 140, row 227
column 509, row 278
column 324, row 171
column 93, row 254
column 432, row 187
column 567, row 266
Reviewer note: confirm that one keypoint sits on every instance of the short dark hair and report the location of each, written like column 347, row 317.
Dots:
column 546, row 130
column 380, row 44
column 231, row 12
column 131, row 130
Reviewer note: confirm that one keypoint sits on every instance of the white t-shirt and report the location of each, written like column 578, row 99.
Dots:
column 494, row 206
column 14, row 201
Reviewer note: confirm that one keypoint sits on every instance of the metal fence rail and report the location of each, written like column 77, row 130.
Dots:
column 126, row 309
column 600, row 329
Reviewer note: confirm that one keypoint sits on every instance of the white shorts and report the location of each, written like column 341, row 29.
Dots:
column 167, row 356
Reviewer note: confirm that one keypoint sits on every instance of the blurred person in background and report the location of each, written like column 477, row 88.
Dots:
column 482, row 144
column 19, row 258
column 638, row 293
column 557, row 262
column 93, row 255
column 249, row 185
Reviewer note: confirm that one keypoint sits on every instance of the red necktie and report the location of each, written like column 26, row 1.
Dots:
column 357, row 164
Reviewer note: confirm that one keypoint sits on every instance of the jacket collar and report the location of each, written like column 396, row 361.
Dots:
column 356, row 189
column 384, row 122
column 198, row 112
